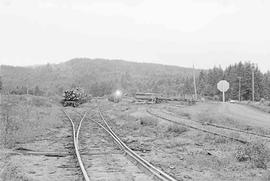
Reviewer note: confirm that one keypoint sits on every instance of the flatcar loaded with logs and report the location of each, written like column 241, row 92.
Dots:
column 74, row 97
column 148, row 97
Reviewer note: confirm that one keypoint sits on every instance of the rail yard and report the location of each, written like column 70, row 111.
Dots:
column 134, row 90
column 103, row 140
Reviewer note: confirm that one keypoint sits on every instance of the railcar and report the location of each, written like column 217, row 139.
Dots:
column 148, row 97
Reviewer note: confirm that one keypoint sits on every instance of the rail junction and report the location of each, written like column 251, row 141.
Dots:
column 150, row 172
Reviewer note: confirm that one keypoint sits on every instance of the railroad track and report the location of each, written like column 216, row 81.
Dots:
column 197, row 128
column 222, row 127
column 154, row 172
column 75, row 134
column 157, row 173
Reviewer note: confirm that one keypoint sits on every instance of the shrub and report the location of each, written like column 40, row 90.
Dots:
column 257, row 153
column 266, row 176
column 187, row 115
column 176, row 129
column 131, row 126
column 220, row 139
column 148, row 121
column 204, row 118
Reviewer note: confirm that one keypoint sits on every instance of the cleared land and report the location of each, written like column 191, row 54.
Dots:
column 37, row 124
column 35, row 141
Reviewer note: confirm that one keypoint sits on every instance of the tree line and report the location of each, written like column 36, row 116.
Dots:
column 238, row 75
column 102, row 77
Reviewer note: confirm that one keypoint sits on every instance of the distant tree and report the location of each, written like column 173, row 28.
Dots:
column 213, row 77
column 188, row 87
column 266, row 85
column 1, row 84
column 99, row 77
column 244, row 71
column 37, row 91
column 31, row 91
column 202, row 83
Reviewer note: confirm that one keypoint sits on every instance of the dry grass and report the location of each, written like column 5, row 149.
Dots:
column 129, row 123
column 185, row 114
column 127, row 117
column 263, row 106
column 256, row 153
column 148, row 121
column 205, row 118
column 40, row 102
column 176, row 142
column 213, row 156
column 11, row 172
column 24, row 118
column 266, row 176
column 213, row 139
column 176, row 130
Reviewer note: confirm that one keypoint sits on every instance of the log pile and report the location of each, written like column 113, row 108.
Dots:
column 74, row 97
column 73, row 94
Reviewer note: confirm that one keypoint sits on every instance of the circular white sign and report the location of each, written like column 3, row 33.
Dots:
column 223, row 85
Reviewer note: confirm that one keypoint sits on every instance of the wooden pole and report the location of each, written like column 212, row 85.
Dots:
column 253, row 85
column 194, row 82
column 239, row 93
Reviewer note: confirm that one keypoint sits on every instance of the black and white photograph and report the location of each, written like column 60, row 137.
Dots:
column 134, row 90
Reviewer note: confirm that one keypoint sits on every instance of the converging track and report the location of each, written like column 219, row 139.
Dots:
column 102, row 155
column 76, row 142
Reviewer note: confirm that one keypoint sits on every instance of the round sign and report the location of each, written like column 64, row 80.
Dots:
column 223, row 85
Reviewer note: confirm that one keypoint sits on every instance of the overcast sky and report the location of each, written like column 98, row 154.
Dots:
column 175, row 32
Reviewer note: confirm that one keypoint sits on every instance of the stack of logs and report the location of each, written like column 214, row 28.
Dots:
column 73, row 94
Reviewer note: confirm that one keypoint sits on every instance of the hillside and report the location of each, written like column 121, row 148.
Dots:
column 99, row 77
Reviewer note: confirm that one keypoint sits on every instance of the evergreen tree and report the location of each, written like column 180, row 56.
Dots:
column 1, row 84
column 266, row 85
column 202, row 81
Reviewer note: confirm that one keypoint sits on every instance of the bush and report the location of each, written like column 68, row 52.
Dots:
column 187, row 115
column 148, row 121
column 129, row 123
column 257, row 153
column 266, row 176
column 205, row 118
column 176, row 129
column 220, row 140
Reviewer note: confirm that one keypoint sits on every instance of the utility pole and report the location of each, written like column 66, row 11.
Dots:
column 253, row 69
column 194, row 81
column 239, row 94
column 27, row 83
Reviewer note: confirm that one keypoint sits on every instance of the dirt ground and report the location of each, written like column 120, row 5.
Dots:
column 190, row 154
column 37, row 144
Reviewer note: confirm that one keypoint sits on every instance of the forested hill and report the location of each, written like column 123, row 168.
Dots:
column 98, row 77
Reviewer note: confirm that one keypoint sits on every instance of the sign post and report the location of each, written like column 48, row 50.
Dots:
column 223, row 86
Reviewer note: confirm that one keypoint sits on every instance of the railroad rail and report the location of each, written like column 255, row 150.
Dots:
column 223, row 127
column 160, row 175
column 196, row 128
column 76, row 144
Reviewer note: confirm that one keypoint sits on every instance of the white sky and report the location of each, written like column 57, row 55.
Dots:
column 175, row 32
